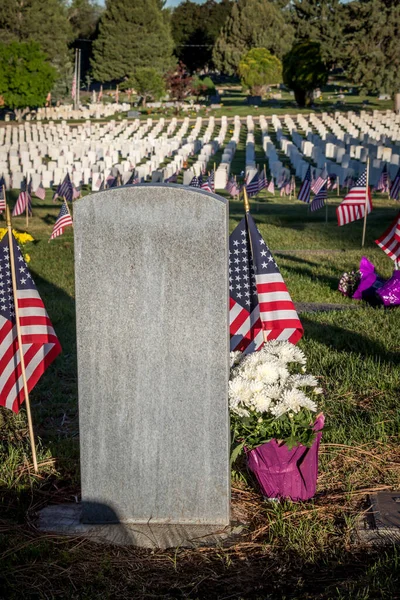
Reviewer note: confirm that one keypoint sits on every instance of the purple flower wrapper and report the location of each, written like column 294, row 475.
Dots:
column 284, row 473
column 390, row 291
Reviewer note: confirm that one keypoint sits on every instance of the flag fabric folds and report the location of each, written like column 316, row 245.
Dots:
column 320, row 199
column 259, row 299
column 40, row 192
column 65, row 190
column 40, row 344
column 23, row 201
column 208, row 184
column 63, row 220
column 262, row 182
column 395, row 187
column 252, row 187
column 390, row 240
column 2, row 194
column 383, row 183
column 320, row 181
column 271, row 187
column 232, row 187
column 355, row 201
column 305, row 188
column 196, row 181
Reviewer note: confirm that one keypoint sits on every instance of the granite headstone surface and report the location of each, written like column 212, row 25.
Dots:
column 152, row 336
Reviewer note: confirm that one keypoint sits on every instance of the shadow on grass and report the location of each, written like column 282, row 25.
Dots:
column 346, row 340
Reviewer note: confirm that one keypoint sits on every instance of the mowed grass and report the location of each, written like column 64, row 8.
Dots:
column 306, row 550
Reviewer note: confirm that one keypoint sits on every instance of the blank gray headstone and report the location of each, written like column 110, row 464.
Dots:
column 152, row 334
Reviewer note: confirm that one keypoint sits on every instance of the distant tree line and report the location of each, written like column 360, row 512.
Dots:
column 120, row 39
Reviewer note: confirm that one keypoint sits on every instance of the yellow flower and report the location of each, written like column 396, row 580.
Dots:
column 27, row 258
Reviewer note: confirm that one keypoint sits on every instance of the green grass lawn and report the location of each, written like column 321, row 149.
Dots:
column 288, row 551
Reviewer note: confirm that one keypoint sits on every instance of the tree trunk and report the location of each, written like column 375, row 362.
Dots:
column 300, row 97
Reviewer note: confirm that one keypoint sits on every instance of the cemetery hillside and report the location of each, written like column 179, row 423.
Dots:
column 199, row 299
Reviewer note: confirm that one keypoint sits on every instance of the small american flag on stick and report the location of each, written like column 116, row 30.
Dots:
column 23, row 201
column 354, row 203
column 320, row 199
column 40, row 344
column 40, row 192
column 2, row 194
column 63, row 220
column 260, row 304
column 305, row 189
column 395, row 187
column 390, row 240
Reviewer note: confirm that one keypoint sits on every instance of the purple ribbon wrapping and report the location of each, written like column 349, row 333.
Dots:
column 284, row 473
column 368, row 278
column 390, row 291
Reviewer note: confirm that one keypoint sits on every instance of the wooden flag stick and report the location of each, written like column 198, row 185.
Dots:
column 366, row 206
column 27, row 204
column 338, row 185
column 19, row 336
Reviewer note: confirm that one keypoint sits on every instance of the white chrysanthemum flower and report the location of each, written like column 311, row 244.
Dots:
column 235, row 358
column 293, row 401
column 262, row 402
column 303, row 380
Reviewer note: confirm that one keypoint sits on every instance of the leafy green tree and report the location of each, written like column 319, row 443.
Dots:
column 131, row 34
column 195, row 27
column 251, row 24
column 304, row 70
column 322, row 21
column 148, row 83
column 26, row 76
column 203, row 87
column 259, row 69
column 43, row 21
column 373, row 45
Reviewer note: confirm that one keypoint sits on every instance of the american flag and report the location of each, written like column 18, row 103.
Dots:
column 40, row 192
column 353, row 205
column 73, row 88
column 320, row 199
column 232, row 187
column 2, row 194
column 390, row 240
column 63, row 220
column 208, row 184
column 262, row 182
column 305, row 188
column 395, row 187
column 65, row 190
column 252, row 187
column 319, row 182
column 172, row 179
column 271, row 187
column 39, row 341
column 133, row 179
column 383, row 183
column 259, row 300
column 23, row 201
column 76, row 192
column 196, row 181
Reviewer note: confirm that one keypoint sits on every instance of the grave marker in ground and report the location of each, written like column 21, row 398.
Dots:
column 152, row 334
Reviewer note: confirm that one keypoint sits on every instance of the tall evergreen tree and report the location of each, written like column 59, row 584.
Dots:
column 195, row 27
column 373, row 44
column 321, row 21
column 43, row 21
column 131, row 34
column 252, row 23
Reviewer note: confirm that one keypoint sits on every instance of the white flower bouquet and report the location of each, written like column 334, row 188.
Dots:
column 272, row 397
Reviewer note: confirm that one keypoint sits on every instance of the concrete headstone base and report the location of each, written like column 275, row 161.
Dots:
column 66, row 519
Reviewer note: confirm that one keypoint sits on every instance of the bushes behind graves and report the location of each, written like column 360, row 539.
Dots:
column 26, row 76
column 259, row 69
column 304, row 70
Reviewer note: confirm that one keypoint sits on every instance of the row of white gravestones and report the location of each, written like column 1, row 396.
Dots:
column 224, row 168
column 153, row 350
